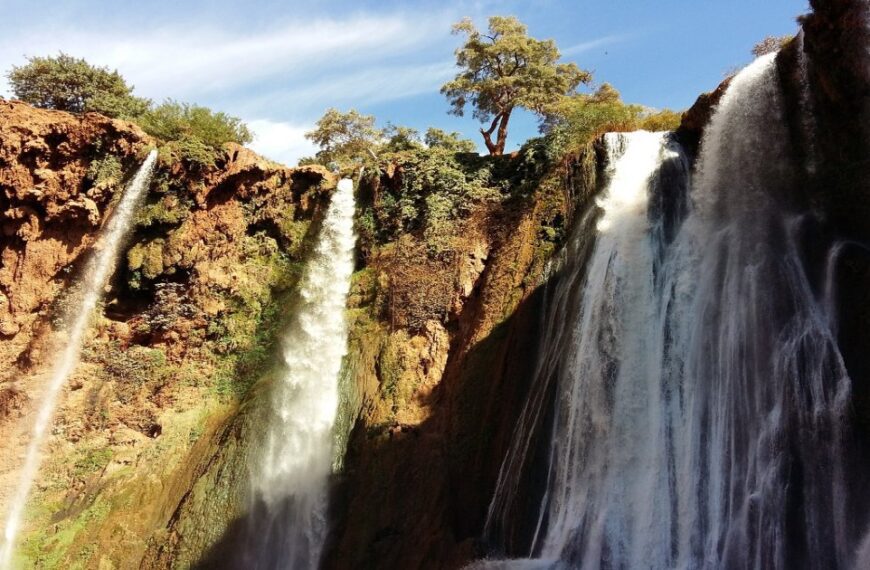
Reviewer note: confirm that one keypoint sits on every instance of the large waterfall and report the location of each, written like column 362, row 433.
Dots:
column 288, row 523
column 701, row 414
column 96, row 274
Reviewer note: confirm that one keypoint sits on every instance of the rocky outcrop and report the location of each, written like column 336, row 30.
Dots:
column 53, row 202
column 836, row 44
column 697, row 116
column 443, row 351
column 187, row 328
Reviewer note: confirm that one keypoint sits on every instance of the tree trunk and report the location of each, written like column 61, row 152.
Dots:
column 502, row 133
column 501, row 122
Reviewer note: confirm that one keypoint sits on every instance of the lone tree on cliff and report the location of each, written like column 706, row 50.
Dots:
column 345, row 138
column 71, row 84
column 504, row 69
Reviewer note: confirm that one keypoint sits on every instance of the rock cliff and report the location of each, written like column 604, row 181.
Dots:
column 186, row 326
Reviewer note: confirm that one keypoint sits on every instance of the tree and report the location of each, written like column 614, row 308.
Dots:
column 437, row 138
column 575, row 120
column 345, row 138
column 70, row 84
column 401, row 138
column 505, row 69
column 770, row 44
column 173, row 121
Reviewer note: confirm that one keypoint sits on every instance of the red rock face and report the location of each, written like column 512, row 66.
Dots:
column 50, row 212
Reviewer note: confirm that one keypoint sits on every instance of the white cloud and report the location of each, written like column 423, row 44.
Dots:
column 184, row 62
column 356, row 88
column 292, row 69
column 280, row 141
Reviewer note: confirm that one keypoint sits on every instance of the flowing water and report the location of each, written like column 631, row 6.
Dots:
column 701, row 414
column 94, row 280
column 288, row 524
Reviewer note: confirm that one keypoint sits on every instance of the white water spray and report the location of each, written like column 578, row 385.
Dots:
column 701, row 411
column 96, row 275
column 291, row 478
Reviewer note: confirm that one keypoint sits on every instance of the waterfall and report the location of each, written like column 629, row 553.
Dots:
column 290, row 477
column 94, row 280
column 701, row 413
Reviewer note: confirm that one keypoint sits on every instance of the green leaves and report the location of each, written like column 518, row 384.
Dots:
column 346, row 139
column 174, row 121
column 504, row 69
column 71, row 84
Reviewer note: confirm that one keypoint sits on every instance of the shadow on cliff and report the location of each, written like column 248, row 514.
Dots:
column 417, row 497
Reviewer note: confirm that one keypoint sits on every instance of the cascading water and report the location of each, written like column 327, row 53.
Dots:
column 702, row 406
column 97, row 273
column 288, row 521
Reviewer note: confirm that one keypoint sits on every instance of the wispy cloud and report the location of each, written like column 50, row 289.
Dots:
column 596, row 43
column 369, row 85
column 280, row 78
column 189, row 61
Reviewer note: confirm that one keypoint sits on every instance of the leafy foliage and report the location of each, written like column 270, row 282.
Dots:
column 401, row 138
column 577, row 119
column 71, row 84
column 105, row 171
column 664, row 120
column 504, row 69
column 434, row 189
column 436, row 138
column 175, row 121
column 66, row 83
column 346, row 139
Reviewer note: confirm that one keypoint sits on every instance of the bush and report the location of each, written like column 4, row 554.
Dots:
column 70, row 84
column 664, row 120
column 578, row 120
column 436, row 138
column 174, row 121
column 346, row 139
column 105, row 172
column 435, row 190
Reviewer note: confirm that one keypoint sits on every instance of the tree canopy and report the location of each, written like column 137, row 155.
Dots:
column 172, row 121
column 350, row 139
column 503, row 69
column 345, row 138
column 71, row 84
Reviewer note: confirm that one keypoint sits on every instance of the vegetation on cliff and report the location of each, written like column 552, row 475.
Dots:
column 66, row 83
column 504, row 69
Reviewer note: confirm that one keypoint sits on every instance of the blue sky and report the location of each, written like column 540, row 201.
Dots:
column 279, row 65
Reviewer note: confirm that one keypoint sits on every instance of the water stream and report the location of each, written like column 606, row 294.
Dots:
column 97, row 273
column 701, row 415
column 288, row 525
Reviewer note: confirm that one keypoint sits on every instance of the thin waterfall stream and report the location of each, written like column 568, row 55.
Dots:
column 701, row 412
column 97, row 273
column 290, row 473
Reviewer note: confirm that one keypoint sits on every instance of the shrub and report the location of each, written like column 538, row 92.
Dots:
column 576, row 120
column 436, row 189
column 71, row 84
column 174, row 121
column 437, row 138
column 105, row 172
column 346, row 139
column 664, row 120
